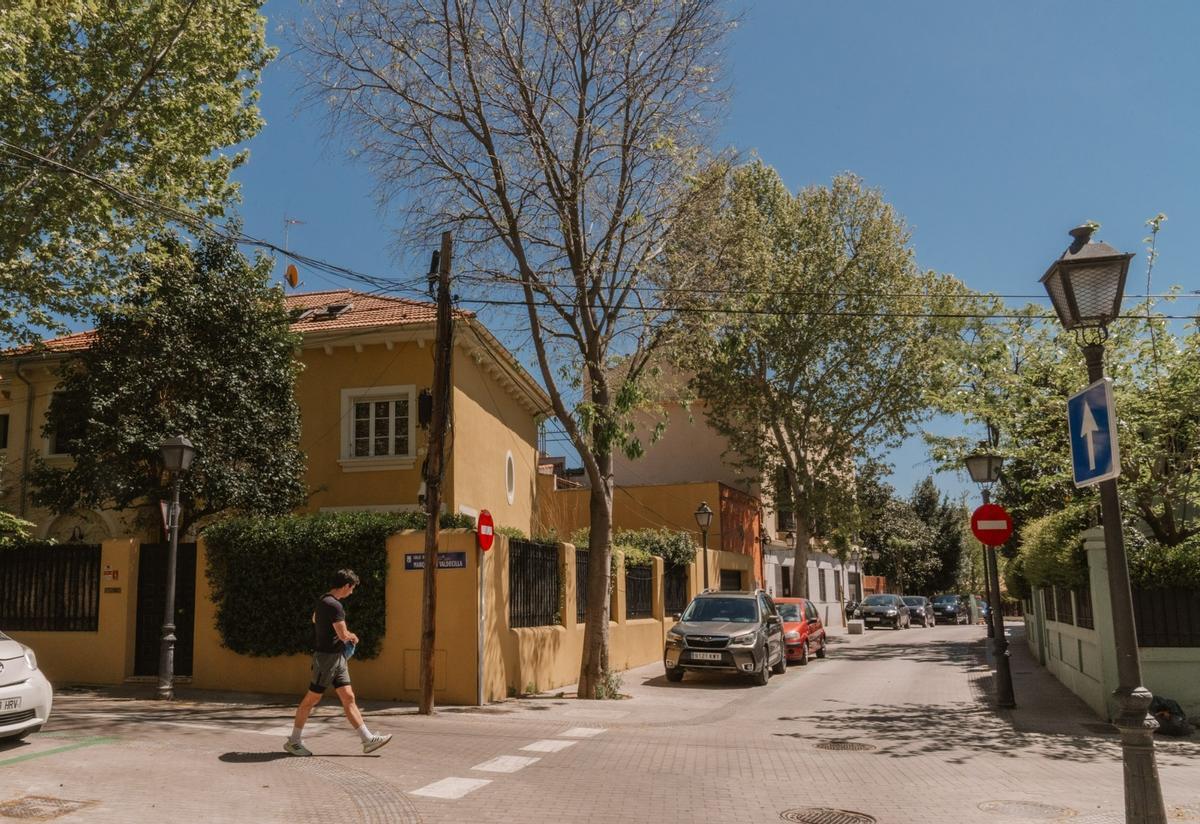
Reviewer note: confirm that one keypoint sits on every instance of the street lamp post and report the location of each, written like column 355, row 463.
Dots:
column 984, row 469
column 1086, row 285
column 176, row 456
column 704, row 515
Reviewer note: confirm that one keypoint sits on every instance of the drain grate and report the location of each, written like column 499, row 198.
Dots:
column 40, row 807
column 825, row 815
column 845, row 746
column 1027, row 809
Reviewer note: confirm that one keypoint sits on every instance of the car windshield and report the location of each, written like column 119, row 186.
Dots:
column 914, row 601
column 944, row 599
column 789, row 612
column 737, row 610
column 877, row 601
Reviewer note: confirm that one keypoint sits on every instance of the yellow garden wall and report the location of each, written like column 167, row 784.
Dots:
column 106, row 655
column 394, row 674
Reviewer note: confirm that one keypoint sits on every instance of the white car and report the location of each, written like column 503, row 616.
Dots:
column 25, row 694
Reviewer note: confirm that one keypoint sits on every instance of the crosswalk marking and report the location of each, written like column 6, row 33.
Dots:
column 451, row 787
column 506, row 763
column 581, row 732
column 548, row 745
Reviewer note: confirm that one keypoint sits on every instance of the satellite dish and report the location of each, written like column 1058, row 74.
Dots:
column 292, row 275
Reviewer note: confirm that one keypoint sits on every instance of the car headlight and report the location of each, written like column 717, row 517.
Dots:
column 792, row 636
column 30, row 658
column 891, row 612
column 746, row 640
column 674, row 638
column 858, row 613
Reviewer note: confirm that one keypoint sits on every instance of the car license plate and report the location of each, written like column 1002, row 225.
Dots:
column 706, row 656
column 10, row 704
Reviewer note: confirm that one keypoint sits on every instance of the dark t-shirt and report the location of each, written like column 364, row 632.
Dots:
column 328, row 612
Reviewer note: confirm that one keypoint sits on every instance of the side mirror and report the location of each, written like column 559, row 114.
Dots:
column 676, row 617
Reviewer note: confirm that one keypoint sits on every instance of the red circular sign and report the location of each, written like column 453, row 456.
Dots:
column 485, row 527
column 991, row 524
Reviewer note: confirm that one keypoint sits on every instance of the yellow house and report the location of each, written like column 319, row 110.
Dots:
column 367, row 361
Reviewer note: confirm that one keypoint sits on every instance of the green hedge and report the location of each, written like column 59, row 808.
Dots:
column 1051, row 551
column 1153, row 566
column 675, row 548
column 267, row 573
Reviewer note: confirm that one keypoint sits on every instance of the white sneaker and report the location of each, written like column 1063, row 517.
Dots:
column 296, row 748
column 375, row 742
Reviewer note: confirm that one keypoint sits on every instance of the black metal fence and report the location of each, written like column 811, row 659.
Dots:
column 533, row 584
column 1062, row 605
column 581, row 585
column 1167, row 617
column 675, row 589
column 50, row 588
column 639, row 592
column 1083, row 608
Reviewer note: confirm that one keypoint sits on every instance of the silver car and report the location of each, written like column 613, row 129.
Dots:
column 25, row 694
column 727, row 632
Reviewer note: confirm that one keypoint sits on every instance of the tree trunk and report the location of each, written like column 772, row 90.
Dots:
column 800, row 562
column 594, row 662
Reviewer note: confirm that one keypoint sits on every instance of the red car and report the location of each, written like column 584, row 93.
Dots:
column 803, row 632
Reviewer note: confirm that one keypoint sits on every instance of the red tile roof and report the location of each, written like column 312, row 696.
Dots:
column 366, row 311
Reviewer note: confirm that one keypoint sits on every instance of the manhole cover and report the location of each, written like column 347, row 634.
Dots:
column 845, row 746
column 1027, row 809
column 40, row 807
column 825, row 815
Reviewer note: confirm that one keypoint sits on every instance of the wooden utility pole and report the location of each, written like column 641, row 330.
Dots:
column 435, row 466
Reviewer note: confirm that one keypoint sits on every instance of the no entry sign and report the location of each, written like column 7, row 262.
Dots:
column 991, row 524
column 485, row 527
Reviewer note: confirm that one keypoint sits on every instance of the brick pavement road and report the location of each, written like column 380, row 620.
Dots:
column 710, row 749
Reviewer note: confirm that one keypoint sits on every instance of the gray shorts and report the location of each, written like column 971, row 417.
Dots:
column 328, row 669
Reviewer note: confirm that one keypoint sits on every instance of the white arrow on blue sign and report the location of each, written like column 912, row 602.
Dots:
column 1092, row 420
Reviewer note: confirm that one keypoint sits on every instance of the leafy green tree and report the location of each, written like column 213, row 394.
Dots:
column 201, row 347
column 13, row 529
column 149, row 98
column 945, row 521
column 824, row 343
column 900, row 543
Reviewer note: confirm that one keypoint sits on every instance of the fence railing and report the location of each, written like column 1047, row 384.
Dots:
column 533, row 576
column 50, row 588
column 639, row 592
column 1167, row 617
column 1083, row 608
column 1048, row 603
column 581, row 585
column 1062, row 605
column 675, row 589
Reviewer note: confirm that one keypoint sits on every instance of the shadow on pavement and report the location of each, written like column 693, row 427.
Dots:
column 702, row 681
column 252, row 757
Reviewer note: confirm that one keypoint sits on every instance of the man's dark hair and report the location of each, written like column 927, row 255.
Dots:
column 343, row 577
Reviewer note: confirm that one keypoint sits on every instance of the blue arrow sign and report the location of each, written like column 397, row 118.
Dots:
column 1092, row 419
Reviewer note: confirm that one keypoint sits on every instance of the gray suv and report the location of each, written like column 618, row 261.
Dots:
column 727, row 632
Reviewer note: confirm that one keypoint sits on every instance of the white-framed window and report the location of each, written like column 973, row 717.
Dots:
column 510, row 477
column 378, row 428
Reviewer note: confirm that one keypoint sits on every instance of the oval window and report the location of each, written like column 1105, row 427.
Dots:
column 510, row 477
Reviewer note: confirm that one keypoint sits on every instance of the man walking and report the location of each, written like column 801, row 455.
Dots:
column 333, row 643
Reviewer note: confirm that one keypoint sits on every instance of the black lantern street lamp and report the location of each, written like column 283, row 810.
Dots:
column 704, row 515
column 984, row 469
column 176, row 454
column 1086, row 285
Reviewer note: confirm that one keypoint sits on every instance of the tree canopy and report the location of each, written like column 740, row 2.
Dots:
column 147, row 98
column 201, row 347
column 824, row 342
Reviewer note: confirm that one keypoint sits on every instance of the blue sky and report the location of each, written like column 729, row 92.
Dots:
column 993, row 128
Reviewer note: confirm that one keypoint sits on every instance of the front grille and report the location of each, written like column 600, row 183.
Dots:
column 8, row 718
column 707, row 641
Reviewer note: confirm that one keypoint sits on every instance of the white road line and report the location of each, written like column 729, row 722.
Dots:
column 581, row 732
column 506, row 764
column 451, row 787
column 547, row 745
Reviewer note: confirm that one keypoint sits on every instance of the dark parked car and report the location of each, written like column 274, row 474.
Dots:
column 951, row 609
column 727, row 632
column 920, row 610
column 884, row 610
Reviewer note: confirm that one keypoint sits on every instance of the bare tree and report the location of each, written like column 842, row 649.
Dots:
column 556, row 138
